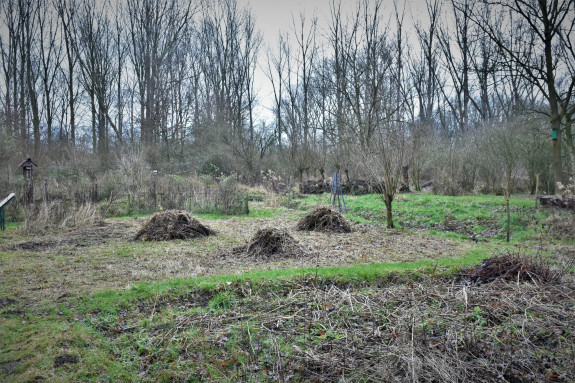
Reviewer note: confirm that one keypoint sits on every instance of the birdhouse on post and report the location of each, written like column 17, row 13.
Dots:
column 27, row 166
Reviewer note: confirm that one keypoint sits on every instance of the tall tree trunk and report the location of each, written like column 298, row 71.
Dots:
column 570, row 143
column 33, row 103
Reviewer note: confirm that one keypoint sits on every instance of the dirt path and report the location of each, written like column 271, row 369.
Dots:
column 59, row 266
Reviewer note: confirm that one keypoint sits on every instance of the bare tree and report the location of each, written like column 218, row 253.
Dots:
column 458, row 63
column 542, row 28
column 275, row 72
column 300, row 64
column 9, row 49
column 92, row 38
column 424, row 69
column 50, row 52
column 154, row 27
column 66, row 11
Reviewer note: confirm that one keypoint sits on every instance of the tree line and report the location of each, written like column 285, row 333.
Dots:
column 468, row 90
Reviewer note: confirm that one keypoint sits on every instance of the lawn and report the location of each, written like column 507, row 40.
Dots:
column 90, row 304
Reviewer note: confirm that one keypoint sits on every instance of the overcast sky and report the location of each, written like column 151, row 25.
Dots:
column 273, row 16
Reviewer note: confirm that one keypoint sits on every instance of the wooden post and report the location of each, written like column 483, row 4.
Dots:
column 154, row 173
column 536, row 188
column 507, row 196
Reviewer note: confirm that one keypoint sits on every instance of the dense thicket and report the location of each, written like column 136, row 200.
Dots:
column 466, row 93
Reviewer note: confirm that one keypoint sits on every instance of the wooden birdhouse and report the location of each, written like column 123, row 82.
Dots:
column 27, row 166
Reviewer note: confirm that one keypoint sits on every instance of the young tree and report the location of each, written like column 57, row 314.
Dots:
column 382, row 163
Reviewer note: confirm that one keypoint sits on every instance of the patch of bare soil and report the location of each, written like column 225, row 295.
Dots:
column 65, row 359
column 172, row 224
column 324, row 219
column 6, row 302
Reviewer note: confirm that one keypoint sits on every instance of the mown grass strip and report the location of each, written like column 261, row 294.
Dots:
column 110, row 301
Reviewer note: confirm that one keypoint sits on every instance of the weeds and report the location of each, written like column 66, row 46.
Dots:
column 426, row 329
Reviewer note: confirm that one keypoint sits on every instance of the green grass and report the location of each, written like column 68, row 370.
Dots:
column 254, row 213
column 114, row 341
column 111, row 301
column 35, row 340
column 483, row 216
column 118, row 334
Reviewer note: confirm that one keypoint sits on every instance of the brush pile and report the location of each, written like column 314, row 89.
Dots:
column 272, row 242
column 513, row 267
column 324, row 219
column 172, row 224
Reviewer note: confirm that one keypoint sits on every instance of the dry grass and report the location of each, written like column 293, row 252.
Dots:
column 55, row 216
column 83, row 260
column 172, row 224
column 560, row 227
column 426, row 330
column 324, row 219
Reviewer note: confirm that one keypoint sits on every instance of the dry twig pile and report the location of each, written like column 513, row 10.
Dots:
column 172, row 224
column 513, row 267
column 273, row 242
column 324, row 219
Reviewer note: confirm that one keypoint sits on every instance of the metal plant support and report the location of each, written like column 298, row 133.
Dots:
column 2, row 205
column 336, row 197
